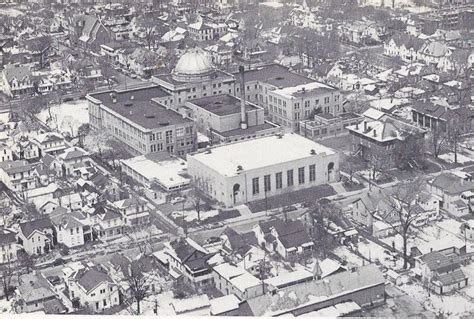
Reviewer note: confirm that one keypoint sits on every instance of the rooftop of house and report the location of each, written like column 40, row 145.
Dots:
column 386, row 129
column 73, row 153
column 15, row 167
column 439, row 262
column 7, row 236
column 442, row 112
column 16, row 72
column 89, row 278
column 222, row 105
column 275, row 75
column 137, row 106
column 292, row 233
column 452, row 184
column 35, row 288
column 40, row 224
column 230, row 159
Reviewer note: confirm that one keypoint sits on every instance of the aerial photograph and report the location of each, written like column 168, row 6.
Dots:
column 248, row 158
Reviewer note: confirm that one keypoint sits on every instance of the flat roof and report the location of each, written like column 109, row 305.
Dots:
column 276, row 75
column 141, row 109
column 249, row 130
column 300, row 90
column 217, row 75
column 167, row 171
column 260, row 152
column 222, row 104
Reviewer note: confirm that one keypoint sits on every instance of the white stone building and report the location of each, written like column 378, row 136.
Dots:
column 259, row 168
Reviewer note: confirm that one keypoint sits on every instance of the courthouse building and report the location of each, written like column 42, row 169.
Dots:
column 258, row 168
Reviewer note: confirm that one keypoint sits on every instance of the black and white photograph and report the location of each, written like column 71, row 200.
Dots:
column 247, row 158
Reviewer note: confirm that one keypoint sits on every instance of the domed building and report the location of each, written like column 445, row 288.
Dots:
column 194, row 77
column 193, row 66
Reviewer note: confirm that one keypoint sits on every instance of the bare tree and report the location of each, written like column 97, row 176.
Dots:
column 402, row 211
column 138, row 282
column 148, row 25
column 7, row 275
column 379, row 160
column 40, row 46
column 438, row 139
column 27, row 261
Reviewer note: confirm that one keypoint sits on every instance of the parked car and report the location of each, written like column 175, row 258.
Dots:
column 177, row 200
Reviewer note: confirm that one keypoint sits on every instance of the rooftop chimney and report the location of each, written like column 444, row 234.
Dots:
column 243, row 113
column 365, row 126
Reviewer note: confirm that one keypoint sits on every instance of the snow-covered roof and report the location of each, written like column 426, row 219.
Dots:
column 293, row 91
column 373, row 114
column 224, row 304
column 260, row 152
column 288, row 278
column 167, row 172
column 193, row 62
column 238, row 277
column 190, row 304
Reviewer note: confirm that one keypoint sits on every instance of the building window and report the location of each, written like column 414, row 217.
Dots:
column 326, row 100
column 255, row 187
column 267, row 183
column 301, row 175
column 289, row 177
column 279, row 180
column 312, row 173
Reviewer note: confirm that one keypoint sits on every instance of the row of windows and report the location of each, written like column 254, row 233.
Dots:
column 267, row 181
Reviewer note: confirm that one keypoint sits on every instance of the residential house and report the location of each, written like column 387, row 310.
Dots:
column 143, row 62
column 8, row 247
column 17, row 175
column 34, row 291
column 70, row 228
column 194, row 306
column 230, row 279
column 287, row 238
column 26, row 149
column 16, row 80
column 206, row 30
column 404, row 46
column 36, row 236
column 441, row 273
column 71, row 201
column 6, row 153
column 450, row 188
column 106, row 220
column 397, row 142
column 235, row 244
column 189, row 261
column 51, row 143
column 94, row 288
column 135, row 211
column 71, row 158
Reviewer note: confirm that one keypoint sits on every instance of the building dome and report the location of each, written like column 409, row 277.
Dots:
column 194, row 65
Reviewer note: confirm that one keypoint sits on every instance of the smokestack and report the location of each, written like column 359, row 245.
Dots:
column 243, row 113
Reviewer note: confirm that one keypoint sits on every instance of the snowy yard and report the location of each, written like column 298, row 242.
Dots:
column 462, row 159
column 191, row 215
column 375, row 252
column 453, row 305
column 469, row 272
column 345, row 254
column 66, row 117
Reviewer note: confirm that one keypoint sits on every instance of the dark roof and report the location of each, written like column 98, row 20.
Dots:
column 141, row 109
column 119, row 261
column 409, row 41
column 7, row 236
column 193, row 258
column 452, row 184
column 438, row 111
column 266, row 226
column 54, row 306
column 450, row 278
column 16, row 72
column 27, row 228
column 13, row 167
column 438, row 262
column 91, row 277
column 223, row 104
column 276, row 75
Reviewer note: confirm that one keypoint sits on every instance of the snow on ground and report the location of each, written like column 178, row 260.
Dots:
column 449, row 157
column 190, row 215
column 374, row 252
column 450, row 225
column 453, row 305
column 272, row 4
column 469, row 271
column 67, row 117
column 12, row 12
column 6, row 306
column 345, row 254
